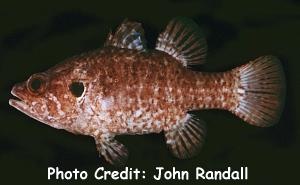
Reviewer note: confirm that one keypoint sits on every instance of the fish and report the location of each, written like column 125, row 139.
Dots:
column 126, row 88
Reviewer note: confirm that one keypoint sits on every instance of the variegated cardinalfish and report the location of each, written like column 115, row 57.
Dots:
column 126, row 88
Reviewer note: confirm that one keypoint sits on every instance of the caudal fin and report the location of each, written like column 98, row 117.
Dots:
column 260, row 91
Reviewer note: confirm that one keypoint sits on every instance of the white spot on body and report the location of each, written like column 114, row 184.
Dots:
column 208, row 98
column 240, row 91
column 165, row 62
column 58, row 105
column 96, row 132
column 137, row 113
column 105, row 104
column 147, row 116
column 81, row 122
column 130, row 123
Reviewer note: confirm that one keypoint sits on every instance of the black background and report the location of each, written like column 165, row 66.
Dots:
column 36, row 35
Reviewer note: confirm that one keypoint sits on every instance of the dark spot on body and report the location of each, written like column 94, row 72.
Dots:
column 77, row 88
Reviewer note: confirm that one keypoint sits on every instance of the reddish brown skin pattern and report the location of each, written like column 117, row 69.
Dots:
column 127, row 92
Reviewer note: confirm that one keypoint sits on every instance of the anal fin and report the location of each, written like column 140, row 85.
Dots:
column 113, row 151
column 187, row 139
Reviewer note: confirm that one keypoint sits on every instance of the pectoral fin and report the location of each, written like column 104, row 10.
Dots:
column 187, row 138
column 113, row 151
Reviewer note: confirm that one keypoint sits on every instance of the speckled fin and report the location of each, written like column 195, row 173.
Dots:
column 184, row 40
column 128, row 35
column 186, row 140
column 261, row 91
column 113, row 151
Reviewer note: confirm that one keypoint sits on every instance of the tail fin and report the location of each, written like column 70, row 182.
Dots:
column 260, row 91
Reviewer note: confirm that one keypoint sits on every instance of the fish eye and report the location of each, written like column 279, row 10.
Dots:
column 76, row 88
column 35, row 83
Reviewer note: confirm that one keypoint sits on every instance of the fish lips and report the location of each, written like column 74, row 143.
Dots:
column 19, row 102
column 23, row 106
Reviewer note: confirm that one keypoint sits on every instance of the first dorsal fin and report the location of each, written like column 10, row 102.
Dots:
column 128, row 35
column 184, row 40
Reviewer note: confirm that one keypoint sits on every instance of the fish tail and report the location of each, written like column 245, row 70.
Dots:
column 260, row 91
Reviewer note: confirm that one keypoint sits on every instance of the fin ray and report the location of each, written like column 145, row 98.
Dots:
column 113, row 151
column 128, row 35
column 183, row 40
column 262, row 97
column 186, row 140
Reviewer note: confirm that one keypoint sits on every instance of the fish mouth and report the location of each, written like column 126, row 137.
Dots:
column 19, row 103
column 23, row 107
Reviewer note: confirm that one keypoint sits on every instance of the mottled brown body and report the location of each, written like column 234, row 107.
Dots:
column 135, row 93
column 124, row 88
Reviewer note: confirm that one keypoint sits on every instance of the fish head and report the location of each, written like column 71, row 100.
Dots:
column 53, row 97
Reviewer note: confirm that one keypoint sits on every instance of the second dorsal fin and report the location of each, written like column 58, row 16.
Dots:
column 128, row 35
column 183, row 40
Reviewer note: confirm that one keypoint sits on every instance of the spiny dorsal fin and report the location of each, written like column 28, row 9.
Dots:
column 128, row 35
column 186, row 140
column 184, row 40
